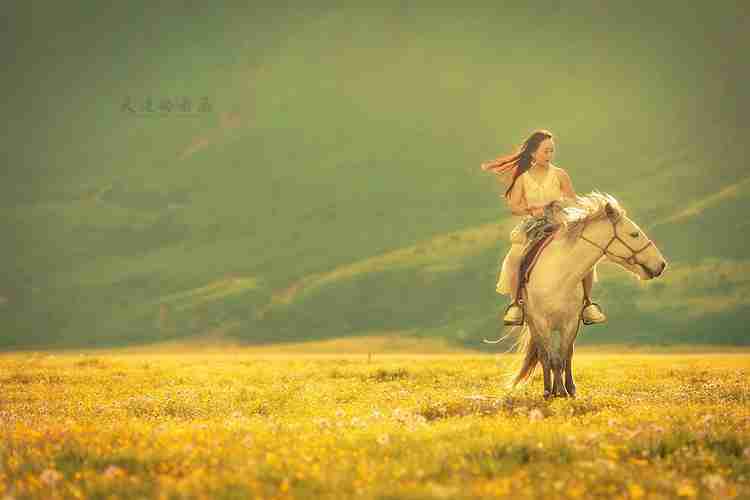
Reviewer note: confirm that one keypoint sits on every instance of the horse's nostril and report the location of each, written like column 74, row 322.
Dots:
column 660, row 271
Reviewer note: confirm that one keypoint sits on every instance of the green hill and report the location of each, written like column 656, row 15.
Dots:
column 325, row 181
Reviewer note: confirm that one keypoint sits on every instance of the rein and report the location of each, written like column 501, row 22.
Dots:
column 631, row 259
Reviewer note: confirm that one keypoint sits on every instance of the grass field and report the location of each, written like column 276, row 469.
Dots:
column 241, row 423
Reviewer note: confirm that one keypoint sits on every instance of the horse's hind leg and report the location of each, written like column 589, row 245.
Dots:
column 544, row 358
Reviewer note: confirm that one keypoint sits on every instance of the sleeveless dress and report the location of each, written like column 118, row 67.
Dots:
column 531, row 228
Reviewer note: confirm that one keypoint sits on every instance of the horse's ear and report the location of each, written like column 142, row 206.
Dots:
column 611, row 213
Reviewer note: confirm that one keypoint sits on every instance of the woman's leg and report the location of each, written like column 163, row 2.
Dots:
column 513, row 283
column 588, row 283
column 514, row 311
column 591, row 313
column 514, row 262
column 508, row 271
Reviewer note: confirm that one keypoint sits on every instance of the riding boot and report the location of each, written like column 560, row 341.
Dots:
column 591, row 313
column 514, row 314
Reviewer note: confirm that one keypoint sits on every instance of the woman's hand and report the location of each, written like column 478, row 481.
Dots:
column 536, row 211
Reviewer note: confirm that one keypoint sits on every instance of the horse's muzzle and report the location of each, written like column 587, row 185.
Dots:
column 654, row 274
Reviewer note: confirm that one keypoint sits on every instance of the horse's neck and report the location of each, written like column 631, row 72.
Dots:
column 564, row 265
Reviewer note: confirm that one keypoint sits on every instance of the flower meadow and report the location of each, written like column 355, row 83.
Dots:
column 236, row 424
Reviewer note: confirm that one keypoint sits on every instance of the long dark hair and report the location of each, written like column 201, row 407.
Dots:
column 520, row 161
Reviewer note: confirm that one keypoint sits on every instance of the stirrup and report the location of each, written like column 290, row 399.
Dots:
column 587, row 302
column 518, row 303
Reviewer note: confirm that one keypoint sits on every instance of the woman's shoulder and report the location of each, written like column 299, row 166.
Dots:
column 560, row 173
column 557, row 169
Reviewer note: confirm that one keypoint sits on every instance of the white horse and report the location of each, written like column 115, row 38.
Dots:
column 592, row 228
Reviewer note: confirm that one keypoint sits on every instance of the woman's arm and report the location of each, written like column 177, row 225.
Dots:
column 566, row 185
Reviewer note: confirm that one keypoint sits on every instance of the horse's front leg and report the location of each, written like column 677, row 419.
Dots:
column 569, row 340
column 557, row 364
column 570, row 386
column 555, row 355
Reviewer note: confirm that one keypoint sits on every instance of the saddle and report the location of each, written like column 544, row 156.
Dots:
column 530, row 257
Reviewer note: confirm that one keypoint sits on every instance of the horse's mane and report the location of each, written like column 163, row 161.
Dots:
column 573, row 215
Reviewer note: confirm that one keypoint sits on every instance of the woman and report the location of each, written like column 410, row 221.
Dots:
column 533, row 184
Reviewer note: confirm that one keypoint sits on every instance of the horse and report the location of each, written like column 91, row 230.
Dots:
column 591, row 228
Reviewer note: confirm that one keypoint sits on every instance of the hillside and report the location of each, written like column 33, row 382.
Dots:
column 330, row 185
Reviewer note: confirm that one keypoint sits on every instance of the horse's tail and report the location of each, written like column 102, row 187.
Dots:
column 524, row 343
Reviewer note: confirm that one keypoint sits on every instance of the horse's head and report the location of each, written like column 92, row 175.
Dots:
column 631, row 248
column 620, row 240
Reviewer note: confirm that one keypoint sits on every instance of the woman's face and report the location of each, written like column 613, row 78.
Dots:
column 544, row 153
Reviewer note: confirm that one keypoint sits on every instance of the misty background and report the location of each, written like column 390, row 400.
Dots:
column 311, row 170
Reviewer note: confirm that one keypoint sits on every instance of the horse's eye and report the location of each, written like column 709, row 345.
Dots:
column 635, row 234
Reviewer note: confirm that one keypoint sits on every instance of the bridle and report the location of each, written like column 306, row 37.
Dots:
column 631, row 259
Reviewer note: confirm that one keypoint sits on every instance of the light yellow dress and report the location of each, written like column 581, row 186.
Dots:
column 537, row 195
